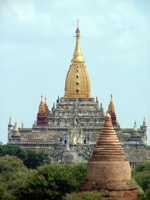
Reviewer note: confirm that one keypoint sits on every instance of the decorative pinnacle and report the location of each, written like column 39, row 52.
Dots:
column 144, row 122
column 77, row 56
column 111, row 107
column 10, row 121
column 111, row 97
column 135, row 126
column 45, row 100
column 41, row 98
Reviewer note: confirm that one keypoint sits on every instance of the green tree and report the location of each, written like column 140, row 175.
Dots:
column 50, row 182
column 11, row 169
column 31, row 159
column 141, row 174
column 10, row 165
column 35, row 159
column 13, row 151
column 83, row 196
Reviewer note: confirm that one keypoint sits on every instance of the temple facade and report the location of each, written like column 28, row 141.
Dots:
column 69, row 130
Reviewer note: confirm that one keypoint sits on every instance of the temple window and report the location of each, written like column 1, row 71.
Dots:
column 77, row 91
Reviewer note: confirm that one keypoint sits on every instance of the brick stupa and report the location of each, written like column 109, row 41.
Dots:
column 107, row 171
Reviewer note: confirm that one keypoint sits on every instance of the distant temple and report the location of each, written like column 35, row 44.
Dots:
column 68, row 132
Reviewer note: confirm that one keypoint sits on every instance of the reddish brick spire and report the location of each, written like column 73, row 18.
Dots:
column 42, row 114
column 108, row 170
column 108, row 146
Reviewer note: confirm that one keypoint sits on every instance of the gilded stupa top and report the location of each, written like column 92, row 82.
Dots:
column 77, row 80
column 77, row 56
column 41, row 106
column 46, row 106
column 111, row 107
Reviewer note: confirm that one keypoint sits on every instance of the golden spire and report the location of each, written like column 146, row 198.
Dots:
column 15, row 127
column 77, row 56
column 46, row 106
column 41, row 106
column 135, row 127
column 111, row 107
column 77, row 80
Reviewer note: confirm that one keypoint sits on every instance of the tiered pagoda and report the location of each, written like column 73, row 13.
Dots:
column 107, row 170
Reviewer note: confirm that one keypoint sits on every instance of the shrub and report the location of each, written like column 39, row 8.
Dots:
column 83, row 196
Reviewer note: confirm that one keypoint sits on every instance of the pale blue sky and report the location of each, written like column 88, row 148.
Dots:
column 37, row 44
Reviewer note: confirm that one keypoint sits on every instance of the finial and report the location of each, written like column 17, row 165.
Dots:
column 15, row 126
column 22, row 125
column 144, row 122
column 77, row 56
column 111, row 107
column 45, row 100
column 135, row 127
column 41, row 98
column 77, row 23
column 111, row 96
column 10, row 122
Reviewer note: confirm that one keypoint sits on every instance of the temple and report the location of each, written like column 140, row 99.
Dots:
column 69, row 130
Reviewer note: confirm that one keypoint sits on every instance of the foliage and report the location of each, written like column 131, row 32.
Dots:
column 9, row 165
column 31, row 159
column 13, row 151
column 35, row 159
column 11, row 169
column 83, row 196
column 51, row 182
column 141, row 174
column 140, row 167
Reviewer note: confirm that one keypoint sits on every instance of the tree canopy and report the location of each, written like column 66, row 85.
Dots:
column 141, row 174
column 30, row 158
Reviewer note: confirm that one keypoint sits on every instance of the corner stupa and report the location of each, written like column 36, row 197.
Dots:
column 107, row 171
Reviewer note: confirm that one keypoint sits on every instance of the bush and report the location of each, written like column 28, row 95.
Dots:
column 141, row 174
column 51, row 182
column 35, row 159
column 31, row 159
column 83, row 196
column 140, row 167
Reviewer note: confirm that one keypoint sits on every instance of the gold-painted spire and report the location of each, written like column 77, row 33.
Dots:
column 41, row 106
column 77, row 80
column 46, row 106
column 15, row 127
column 77, row 56
column 111, row 107
column 135, row 126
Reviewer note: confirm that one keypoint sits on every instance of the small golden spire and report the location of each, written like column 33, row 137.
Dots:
column 41, row 106
column 10, row 121
column 42, row 99
column 46, row 106
column 135, row 127
column 45, row 100
column 77, row 56
column 15, row 127
column 144, row 122
column 111, row 107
